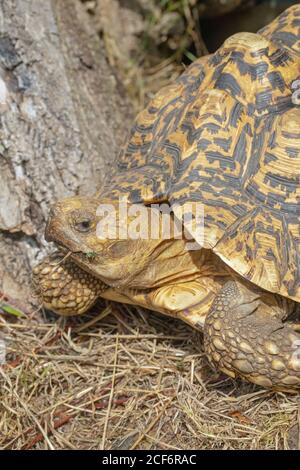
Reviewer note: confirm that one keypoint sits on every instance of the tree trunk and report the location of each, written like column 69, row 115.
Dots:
column 63, row 117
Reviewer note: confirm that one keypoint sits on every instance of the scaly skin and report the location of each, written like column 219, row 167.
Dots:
column 242, row 340
column 64, row 288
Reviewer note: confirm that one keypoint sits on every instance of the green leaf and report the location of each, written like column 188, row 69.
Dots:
column 91, row 255
column 190, row 56
column 11, row 310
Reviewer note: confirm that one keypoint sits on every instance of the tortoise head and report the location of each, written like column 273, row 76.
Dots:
column 94, row 235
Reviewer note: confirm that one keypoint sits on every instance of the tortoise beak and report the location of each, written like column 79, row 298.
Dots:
column 57, row 230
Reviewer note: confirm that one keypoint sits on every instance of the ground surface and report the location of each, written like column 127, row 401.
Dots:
column 120, row 378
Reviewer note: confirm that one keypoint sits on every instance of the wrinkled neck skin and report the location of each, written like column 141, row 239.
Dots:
column 176, row 264
column 169, row 262
column 166, row 263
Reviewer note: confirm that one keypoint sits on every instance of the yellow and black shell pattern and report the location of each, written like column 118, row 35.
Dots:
column 227, row 134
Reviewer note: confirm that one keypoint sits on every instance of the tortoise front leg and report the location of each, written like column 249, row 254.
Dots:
column 64, row 287
column 243, row 340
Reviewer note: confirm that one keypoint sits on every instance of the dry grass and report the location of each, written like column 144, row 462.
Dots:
column 124, row 378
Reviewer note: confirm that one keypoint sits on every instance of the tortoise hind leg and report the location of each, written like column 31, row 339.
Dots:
column 243, row 340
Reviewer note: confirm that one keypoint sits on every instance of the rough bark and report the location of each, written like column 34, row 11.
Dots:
column 62, row 118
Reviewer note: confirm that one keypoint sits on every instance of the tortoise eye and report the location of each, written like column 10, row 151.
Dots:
column 82, row 221
column 84, row 225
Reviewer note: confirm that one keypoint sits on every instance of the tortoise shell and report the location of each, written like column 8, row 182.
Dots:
column 227, row 134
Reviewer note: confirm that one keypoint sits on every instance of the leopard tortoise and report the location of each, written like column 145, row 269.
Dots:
column 225, row 135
